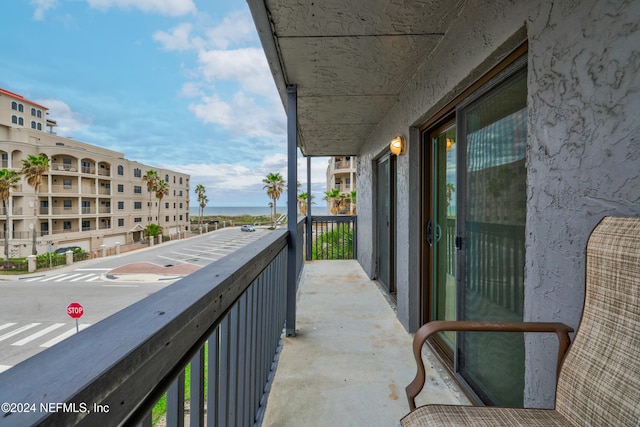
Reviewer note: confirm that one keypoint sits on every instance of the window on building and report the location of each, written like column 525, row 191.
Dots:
column 33, row 111
column 67, row 225
column 67, row 204
column 137, row 219
column 39, row 114
column 66, row 184
column 137, row 189
column 14, row 119
column 21, row 108
column 120, row 222
column 120, row 188
column 137, row 173
column 166, row 178
column 180, row 193
column 86, row 225
column 39, row 126
column 20, row 121
column 166, row 205
column 44, row 228
column 137, row 205
column 174, row 179
column 120, row 170
column 180, row 205
column 33, row 124
column 86, row 167
column 14, row 105
column 120, row 205
column 166, row 218
column 180, row 180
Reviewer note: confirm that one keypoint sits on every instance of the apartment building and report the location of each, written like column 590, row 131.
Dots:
column 341, row 175
column 90, row 197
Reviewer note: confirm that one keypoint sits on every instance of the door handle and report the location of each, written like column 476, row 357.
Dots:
column 430, row 233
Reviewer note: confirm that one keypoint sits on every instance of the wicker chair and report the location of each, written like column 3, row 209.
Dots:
column 598, row 380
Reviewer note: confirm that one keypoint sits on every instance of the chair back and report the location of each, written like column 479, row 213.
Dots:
column 599, row 382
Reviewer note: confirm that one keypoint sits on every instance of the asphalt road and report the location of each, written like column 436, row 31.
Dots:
column 33, row 313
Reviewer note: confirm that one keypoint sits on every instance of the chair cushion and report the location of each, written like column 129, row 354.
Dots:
column 482, row 416
column 599, row 381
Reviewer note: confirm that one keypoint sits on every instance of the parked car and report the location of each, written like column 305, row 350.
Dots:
column 248, row 228
column 69, row 248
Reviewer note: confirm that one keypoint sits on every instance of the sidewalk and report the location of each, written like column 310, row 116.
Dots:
column 351, row 358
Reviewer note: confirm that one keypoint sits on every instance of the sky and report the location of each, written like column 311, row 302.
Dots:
column 176, row 84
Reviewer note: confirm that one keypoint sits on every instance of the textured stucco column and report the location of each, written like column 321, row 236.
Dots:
column 31, row 263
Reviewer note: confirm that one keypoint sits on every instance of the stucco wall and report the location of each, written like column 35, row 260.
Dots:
column 583, row 156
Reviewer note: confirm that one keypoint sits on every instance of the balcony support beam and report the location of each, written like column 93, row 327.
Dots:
column 292, row 206
column 309, row 230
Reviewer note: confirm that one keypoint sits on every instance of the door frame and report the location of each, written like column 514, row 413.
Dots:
column 427, row 287
column 391, row 286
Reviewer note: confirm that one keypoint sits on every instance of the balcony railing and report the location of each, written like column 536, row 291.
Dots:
column 234, row 307
column 333, row 237
column 17, row 210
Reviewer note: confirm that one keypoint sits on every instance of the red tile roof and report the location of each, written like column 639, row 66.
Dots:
column 20, row 98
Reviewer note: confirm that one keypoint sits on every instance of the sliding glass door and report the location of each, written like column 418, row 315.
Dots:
column 492, row 226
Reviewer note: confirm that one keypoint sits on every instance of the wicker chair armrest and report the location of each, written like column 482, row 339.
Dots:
column 413, row 389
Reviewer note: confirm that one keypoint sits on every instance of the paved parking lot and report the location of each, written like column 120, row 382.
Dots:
column 209, row 247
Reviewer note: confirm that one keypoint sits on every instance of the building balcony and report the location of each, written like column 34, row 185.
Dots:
column 16, row 210
column 347, row 365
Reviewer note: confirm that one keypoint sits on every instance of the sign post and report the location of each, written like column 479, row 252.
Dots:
column 75, row 311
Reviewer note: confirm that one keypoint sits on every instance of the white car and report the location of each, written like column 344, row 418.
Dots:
column 248, row 228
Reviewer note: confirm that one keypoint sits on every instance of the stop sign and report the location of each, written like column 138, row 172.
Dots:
column 75, row 310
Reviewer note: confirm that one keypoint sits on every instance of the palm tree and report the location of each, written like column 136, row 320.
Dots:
column 151, row 178
column 161, row 189
column 8, row 181
column 200, row 191
column 203, row 202
column 274, row 183
column 302, row 202
column 334, row 197
column 351, row 199
column 33, row 168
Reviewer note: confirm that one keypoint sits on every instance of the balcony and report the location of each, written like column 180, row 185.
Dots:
column 351, row 358
column 234, row 312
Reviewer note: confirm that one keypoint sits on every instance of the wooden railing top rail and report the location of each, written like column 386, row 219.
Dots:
column 125, row 362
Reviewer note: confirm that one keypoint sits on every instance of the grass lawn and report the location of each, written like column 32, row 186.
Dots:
column 160, row 409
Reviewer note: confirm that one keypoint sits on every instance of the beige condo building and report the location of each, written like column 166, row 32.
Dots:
column 90, row 197
column 341, row 175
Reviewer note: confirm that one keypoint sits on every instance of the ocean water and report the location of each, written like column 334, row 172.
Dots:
column 235, row 211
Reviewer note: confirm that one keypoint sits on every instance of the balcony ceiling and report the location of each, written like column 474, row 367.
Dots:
column 350, row 59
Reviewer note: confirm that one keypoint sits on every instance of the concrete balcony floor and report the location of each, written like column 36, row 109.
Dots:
column 351, row 359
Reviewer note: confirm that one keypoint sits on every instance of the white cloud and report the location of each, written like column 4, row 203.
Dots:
column 68, row 121
column 235, row 115
column 41, row 6
column 164, row 7
column 177, row 39
column 236, row 28
column 247, row 66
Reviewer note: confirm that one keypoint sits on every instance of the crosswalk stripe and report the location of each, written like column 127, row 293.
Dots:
column 38, row 334
column 81, row 277
column 64, row 335
column 4, row 367
column 53, row 277
column 93, row 279
column 67, row 277
column 6, row 325
column 18, row 331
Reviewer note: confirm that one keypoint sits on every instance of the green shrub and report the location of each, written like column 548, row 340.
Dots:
column 335, row 244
